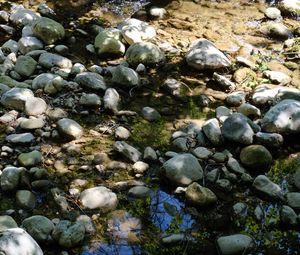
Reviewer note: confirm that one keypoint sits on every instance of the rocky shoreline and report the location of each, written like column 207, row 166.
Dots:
column 87, row 147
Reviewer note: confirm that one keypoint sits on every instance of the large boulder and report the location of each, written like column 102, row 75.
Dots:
column 145, row 53
column 48, row 30
column 69, row 129
column 283, row 118
column 183, row 169
column 16, row 241
column 99, row 198
column 235, row 244
column 16, row 98
column 203, row 54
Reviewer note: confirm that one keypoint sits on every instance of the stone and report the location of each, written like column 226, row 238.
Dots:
column 92, row 100
column 278, row 77
column 29, row 43
column 91, row 81
column 157, row 12
column 288, row 217
column 16, row 98
column 203, row 54
column 235, row 244
column 202, row 153
column 290, row 7
column 174, row 87
column 88, row 223
column 150, row 114
column 78, row 68
column 22, row 17
column 125, row 76
column 48, row 30
column 211, row 129
column 122, row 133
column 183, row 169
column 29, row 159
column 50, row 60
column 249, row 110
column 109, row 42
column 111, row 100
column 180, row 144
column 268, row 189
column 200, row 196
column 25, row 66
column 243, row 75
column 235, row 166
column 35, row 106
column 69, row 129
column 25, row 199
column 282, row 118
column 150, row 154
column 131, row 34
column 56, row 113
column 69, row 234
column 32, row 123
column 224, row 83
column 100, row 198
column 276, row 30
column 23, row 138
column 17, row 241
column 3, row 89
column 293, row 200
column 256, row 157
column 238, row 128
column 269, row 139
column 236, row 98
column 43, row 80
column 222, row 112
column 10, row 178
column 7, row 222
column 140, row 167
column 297, row 179
column 273, row 13
column 129, row 152
column 145, row 53
column 139, row 192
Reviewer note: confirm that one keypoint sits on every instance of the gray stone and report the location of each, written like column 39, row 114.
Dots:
column 211, row 129
column 200, row 196
column 145, row 53
column 23, row 17
column 29, row 43
column 7, row 222
column 25, row 199
column 49, row 60
column 140, row 167
column 91, row 81
column 12, row 83
column 267, row 188
column 224, row 83
column 20, row 138
column 278, row 77
column 236, row 98
column 256, row 157
column 269, row 139
column 150, row 154
column 35, row 106
column 78, row 68
column 139, row 192
column 204, row 55
column 235, row 244
column 273, row 13
column 88, row 223
column 202, row 153
column 25, row 66
column 90, row 100
column 127, row 151
column 180, row 144
column 150, row 114
column 283, row 118
column 111, row 100
column 10, row 46
column 10, row 178
column 16, row 98
column 125, row 76
column 183, row 169
column 290, row 7
column 288, row 216
column 56, row 113
column 42, row 80
column 222, row 112
column 224, row 185
column 48, row 30
column 249, row 110
column 122, row 133
column 32, row 123
column 131, row 34
column 235, row 166
column 69, row 129
column 100, row 198
column 68, row 235
column 16, row 241
column 293, row 200
column 238, row 128
column 29, row 159
column 276, row 30
column 297, row 179
column 3, row 89
column 213, row 175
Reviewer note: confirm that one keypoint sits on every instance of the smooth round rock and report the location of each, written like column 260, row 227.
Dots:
column 200, row 196
column 69, row 129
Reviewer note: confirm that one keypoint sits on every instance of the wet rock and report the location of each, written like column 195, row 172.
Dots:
column 256, row 157
column 23, row 138
column 267, row 188
column 144, row 52
column 16, row 98
column 23, row 17
column 109, row 42
column 25, row 66
column 16, row 241
column 69, row 129
column 238, row 128
column 224, row 83
column 183, row 169
column 278, row 77
column 235, row 166
column 35, row 106
column 7, row 222
column 273, row 13
column 249, row 110
column 29, row 159
column 200, row 196
column 269, row 139
column 139, row 192
column 10, row 178
column 140, row 167
column 150, row 114
column 49, row 60
column 127, row 151
column 150, row 154
column 236, row 98
column 211, row 129
column 90, row 100
column 283, row 118
column 25, row 199
column 235, row 244
column 204, row 55
column 125, row 76
column 99, row 198
column 111, row 100
column 288, row 216
column 122, row 133
column 293, row 200
column 290, row 7
column 68, row 234
column 91, row 81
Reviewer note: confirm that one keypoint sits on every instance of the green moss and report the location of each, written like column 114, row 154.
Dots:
column 194, row 112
